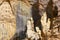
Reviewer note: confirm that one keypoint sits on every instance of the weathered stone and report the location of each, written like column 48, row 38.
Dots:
column 7, row 22
column 22, row 14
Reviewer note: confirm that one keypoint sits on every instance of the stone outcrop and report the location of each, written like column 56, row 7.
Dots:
column 13, row 18
column 7, row 22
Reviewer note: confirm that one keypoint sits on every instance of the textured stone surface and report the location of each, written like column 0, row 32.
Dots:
column 7, row 22
column 22, row 11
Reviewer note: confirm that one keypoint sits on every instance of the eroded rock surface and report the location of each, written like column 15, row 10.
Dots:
column 7, row 22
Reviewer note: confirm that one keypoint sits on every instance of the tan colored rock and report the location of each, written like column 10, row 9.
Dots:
column 30, row 30
column 7, row 22
column 45, row 25
column 24, row 8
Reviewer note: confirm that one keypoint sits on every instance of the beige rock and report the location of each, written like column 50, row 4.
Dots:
column 30, row 31
column 7, row 22
column 24, row 8
column 45, row 25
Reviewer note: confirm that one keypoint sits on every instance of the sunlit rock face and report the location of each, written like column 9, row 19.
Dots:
column 7, row 22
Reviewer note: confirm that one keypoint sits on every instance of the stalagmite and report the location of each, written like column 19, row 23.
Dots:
column 45, row 23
